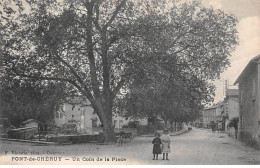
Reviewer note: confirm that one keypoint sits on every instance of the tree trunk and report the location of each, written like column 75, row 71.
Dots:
column 105, row 115
column 171, row 126
column 108, row 129
column 165, row 124
column 175, row 125
column 155, row 124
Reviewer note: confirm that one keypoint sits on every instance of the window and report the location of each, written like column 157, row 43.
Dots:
column 241, row 97
column 253, row 90
column 73, row 106
column 241, row 122
column 82, row 112
column 115, row 123
column 78, row 109
column 57, row 115
column 121, row 123
column 72, row 116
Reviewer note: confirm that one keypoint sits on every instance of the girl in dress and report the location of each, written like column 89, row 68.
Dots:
column 166, row 140
column 156, row 146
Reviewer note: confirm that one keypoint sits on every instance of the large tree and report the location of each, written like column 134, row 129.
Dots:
column 189, row 50
column 100, row 46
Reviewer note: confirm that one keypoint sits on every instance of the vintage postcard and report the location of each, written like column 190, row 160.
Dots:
column 130, row 82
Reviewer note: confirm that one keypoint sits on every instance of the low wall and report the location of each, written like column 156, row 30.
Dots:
column 22, row 133
column 74, row 138
column 116, row 130
column 127, row 130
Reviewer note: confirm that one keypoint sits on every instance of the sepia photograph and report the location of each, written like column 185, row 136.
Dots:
column 129, row 82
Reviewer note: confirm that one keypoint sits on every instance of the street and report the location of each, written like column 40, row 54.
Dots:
column 197, row 147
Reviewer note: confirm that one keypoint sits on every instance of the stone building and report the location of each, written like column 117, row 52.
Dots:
column 79, row 111
column 249, row 102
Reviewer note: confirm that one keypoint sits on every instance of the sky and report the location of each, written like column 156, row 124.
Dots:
column 248, row 15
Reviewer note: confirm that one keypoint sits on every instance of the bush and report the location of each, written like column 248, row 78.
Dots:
column 234, row 122
column 125, row 126
column 132, row 124
column 142, row 129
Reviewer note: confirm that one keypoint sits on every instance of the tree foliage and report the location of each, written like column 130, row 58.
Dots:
column 27, row 99
column 101, row 47
column 189, row 48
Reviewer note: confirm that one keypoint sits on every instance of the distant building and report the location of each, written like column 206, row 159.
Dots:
column 249, row 101
column 213, row 113
column 77, row 110
column 231, row 111
column 32, row 123
column 231, row 103
column 120, row 121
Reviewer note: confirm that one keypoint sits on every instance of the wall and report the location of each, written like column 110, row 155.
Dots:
column 233, row 107
column 88, row 116
column 59, row 118
column 249, row 106
column 119, row 121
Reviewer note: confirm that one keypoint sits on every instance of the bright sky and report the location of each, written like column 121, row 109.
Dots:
column 248, row 14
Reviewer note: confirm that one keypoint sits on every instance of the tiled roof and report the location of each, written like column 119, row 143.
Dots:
column 244, row 72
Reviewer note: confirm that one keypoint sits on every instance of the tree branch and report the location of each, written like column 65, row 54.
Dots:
column 84, row 91
column 73, row 71
column 114, row 14
column 97, row 17
column 118, row 87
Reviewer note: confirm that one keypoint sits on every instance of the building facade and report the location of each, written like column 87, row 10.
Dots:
column 249, row 102
column 79, row 110
column 231, row 111
column 212, row 114
column 30, row 123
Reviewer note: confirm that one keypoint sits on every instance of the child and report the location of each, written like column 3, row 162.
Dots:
column 156, row 146
column 166, row 139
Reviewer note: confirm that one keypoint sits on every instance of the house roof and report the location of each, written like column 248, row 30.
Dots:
column 31, row 120
column 245, row 71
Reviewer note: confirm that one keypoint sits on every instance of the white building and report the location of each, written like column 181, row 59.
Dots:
column 80, row 111
column 77, row 110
